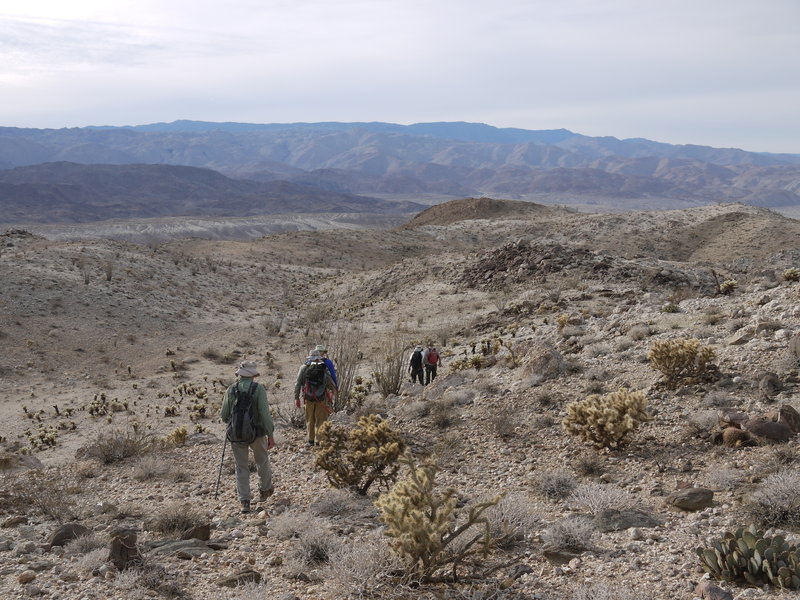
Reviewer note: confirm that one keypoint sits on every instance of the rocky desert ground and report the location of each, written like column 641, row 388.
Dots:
column 115, row 356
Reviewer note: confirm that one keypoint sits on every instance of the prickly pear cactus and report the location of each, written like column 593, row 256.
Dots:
column 747, row 556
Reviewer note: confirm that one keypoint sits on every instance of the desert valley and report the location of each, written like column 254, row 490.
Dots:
column 116, row 350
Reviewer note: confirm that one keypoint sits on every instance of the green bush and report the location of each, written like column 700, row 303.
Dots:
column 361, row 456
column 681, row 359
column 606, row 421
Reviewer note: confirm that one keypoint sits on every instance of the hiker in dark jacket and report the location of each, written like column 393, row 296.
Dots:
column 264, row 436
column 415, row 365
column 315, row 384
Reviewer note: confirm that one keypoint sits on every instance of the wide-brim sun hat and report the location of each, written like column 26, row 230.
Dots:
column 321, row 348
column 418, row 349
column 247, row 368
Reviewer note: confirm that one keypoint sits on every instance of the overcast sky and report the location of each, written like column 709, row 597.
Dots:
column 723, row 73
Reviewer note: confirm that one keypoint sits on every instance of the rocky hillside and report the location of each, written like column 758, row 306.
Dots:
column 115, row 355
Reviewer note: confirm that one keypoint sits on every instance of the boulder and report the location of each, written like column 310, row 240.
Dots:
column 730, row 417
column 240, row 578
column 123, row 550
column 618, row 520
column 769, row 385
column 767, row 430
column 788, row 415
column 66, row 533
column 691, row 499
column 711, row 591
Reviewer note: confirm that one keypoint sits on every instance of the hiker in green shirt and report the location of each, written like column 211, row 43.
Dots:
column 263, row 442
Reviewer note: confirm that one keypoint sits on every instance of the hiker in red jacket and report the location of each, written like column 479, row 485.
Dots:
column 431, row 360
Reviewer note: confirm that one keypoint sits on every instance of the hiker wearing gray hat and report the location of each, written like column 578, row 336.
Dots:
column 316, row 384
column 249, row 426
column 323, row 352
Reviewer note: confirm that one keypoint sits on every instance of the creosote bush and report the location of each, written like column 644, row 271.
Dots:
column 606, row 421
column 680, row 360
column 426, row 529
column 361, row 456
column 776, row 502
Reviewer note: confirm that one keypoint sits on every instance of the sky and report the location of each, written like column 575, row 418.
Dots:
column 723, row 73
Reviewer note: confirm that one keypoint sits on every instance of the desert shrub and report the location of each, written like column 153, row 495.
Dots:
column 176, row 518
column 725, row 479
column 512, row 519
column 602, row 591
column 116, row 445
column 314, row 546
column 293, row 417
column 246, row 591
column 597, row 497
column 361, row 568
column 147, row 580
column 556, row 485
column 86, row 544
column 589, row 465
column 361, row 456
column 336, row 502
column 728, row 286
column 776, row 501
column 573, row 534
column 389, row 366
column 748, row 556
column 292, row 523
column 91, row 561
column 502, row 422
column 345, row 350
column 681, row 359
column 48, row 492
column 424, row 525
column 606, row 420
column 156, row 466
column 443, row 414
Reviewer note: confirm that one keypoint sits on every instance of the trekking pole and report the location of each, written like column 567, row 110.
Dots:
column 222, row 460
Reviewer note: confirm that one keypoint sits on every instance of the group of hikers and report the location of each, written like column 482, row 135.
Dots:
column 249, row 425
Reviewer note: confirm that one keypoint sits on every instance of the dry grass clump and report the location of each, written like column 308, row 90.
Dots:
column 589, row 465
column 292, row 523
column 573, row 534
column 597, row 497
column 776, row 502
column 87, row 543
column 602, row 591
column 312, row 549
column 338, row 502
column 513, row 518
column 556, row 485
column 725, row 478
column 443, row 414
column 116, row 445
column 176, row 518
column 361, row 568
column 155, row 466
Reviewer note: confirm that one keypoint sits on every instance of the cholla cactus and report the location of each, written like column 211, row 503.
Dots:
column 747, row 556
column 423, row 523
column 681, row 359
column 791, row 274
column 606, row 420
column 359, row 457
column 727, row 286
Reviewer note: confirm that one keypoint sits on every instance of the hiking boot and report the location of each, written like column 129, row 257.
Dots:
column 265, row 494
column 310, row 442
column 245, row 506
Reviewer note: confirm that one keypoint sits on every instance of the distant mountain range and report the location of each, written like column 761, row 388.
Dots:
column 238, row 169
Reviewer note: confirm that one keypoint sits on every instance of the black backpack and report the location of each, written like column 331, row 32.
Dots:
column 314, row 388
column 416, row 360
column 242, row 426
